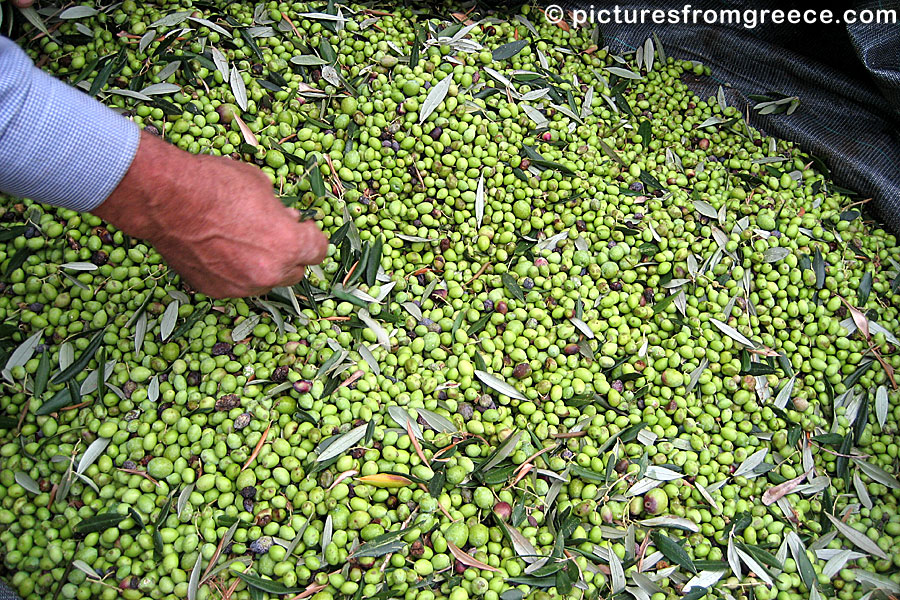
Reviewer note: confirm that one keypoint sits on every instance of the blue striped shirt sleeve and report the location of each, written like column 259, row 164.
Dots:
column 58, row 145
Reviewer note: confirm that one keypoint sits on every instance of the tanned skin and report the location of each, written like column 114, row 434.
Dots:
column 216, row 221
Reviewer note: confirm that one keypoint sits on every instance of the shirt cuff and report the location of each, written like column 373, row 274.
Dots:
column 58, row 145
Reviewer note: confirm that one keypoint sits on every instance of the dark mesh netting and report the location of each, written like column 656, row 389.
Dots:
column 846, row 76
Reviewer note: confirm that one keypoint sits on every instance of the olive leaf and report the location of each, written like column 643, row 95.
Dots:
column 695, row 375
column 587, row 104
column 498, row 77
column 153, row 389
column 238, row 88
column 385, row 480
column 194, row 581
column 381, row 549
column 646, row 133
column 168, row 70
column 624, row 73
column 784, row 394
column 616, row 572
column 436, row 421
column 645, row 583
column 374, row 262
column 209, row 24
column 512, row 286
column 877, row 328
column 671, row 522
column 861, row 492
column 22, row 354
column 582, row 327
column 673, row 551
column 775, row 253
column 25, row 480
column 521, row 545
column 221, row 62
column 404, row 420
column 819, row 268
column 343, row 443
column 327, row 532
column 499, row 385
column 752, row 461
column 662, row 473
column 172, row 19
column 79, row 365
column 86, row 569
column 860, row 540
column 509, row 50
column 415, row 238
column 246, row 132
column 267, row 585
column 93, row 452
column 320, row 16
column 705, row 208
column 79, row 266
column 140, row 332
column 642, row 486
column 479, row 201
column 276, row 315
column 59, row 400
column 568, row 112
column 370, row 359
column 865, row 287
column 332, row 363
column 734, row 560
column 649, row 55
column 183, row 497
column 859, row 319
column 130, row 94
column 78, row 12
column 99, row 522
column 881, row 405
column 876, row 580
column 754, row 566
column 878, row 474
column 169, row 318
column 435, row 96
column 467, row 560
column 380, row 333
column 42, row 375
column 733, row 333
column 714, row 120
column 35, row 19
column 244, row 328
column 160, row 88
column 502, row 452
column 66, row 355
column 775, row 493
column 837, row 560
column 703, row 580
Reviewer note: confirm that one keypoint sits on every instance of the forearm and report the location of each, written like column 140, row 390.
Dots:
column 142, row 201
column 57, row 145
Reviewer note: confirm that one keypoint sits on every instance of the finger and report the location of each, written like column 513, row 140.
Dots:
column 293, row 276
column 23, row 3
column 312, row 244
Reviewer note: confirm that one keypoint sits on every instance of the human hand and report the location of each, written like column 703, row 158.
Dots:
column 22, row 3
column 216, row 221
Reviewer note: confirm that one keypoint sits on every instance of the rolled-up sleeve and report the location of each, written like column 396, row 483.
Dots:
column 57, row 145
